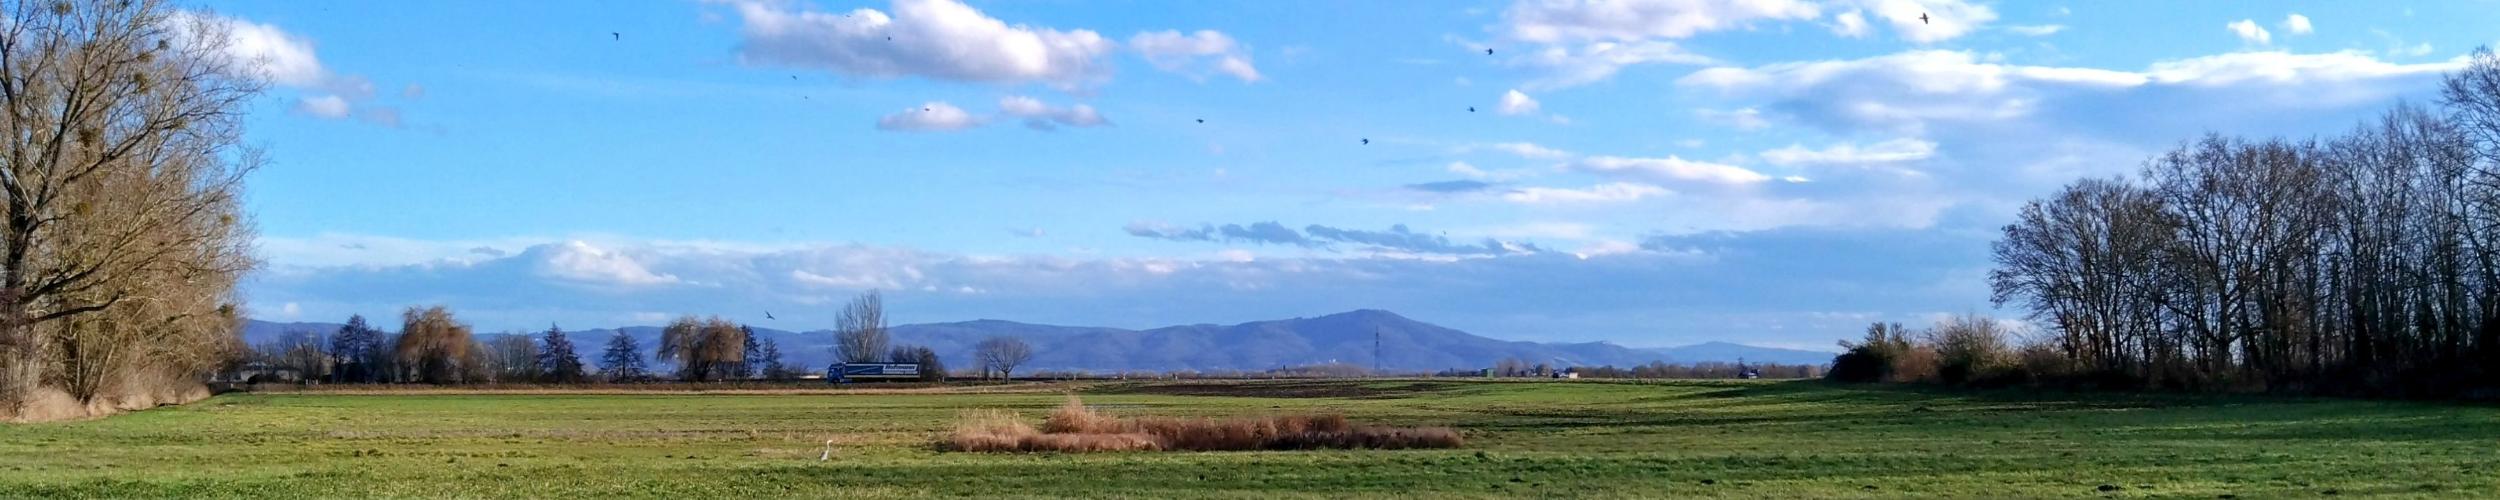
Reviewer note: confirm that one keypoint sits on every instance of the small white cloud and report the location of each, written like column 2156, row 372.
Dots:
column 1602, row 193
column 2297, row 24
column 581, row 262
column 1516, row 103
column 2250, row 32
column 323, row 106
column 1851, row 24
column 1892, row 151
column 1558, row 21
column 1670, row 168
column 1597, row 61
column 290, row 311
column 1528, row 150
column 934, row 39
column 1195, row 54
column 935, row 116
column 2036, row 30
column 272, row 53
column 1043, row 116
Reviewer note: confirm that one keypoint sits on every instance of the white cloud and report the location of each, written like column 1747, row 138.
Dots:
column 1904, row 92
column 581, row 262
column 1528, row 150
column 1945, row 19
column 1596, row 61
column 1516, row 103
column 1892, row 151
column 1195, row 54
column 1851, row 24
column 1741, row 118
column 1670, row 168
column 1565, row 21
column 1042, row 116
column 935, row 116
column 2297, row 24
column 282, row 58
column 324, row 106
column 2036, row 30
column 1602, row 193
column 291, row 311
column 2250, row 32
column 934, row 39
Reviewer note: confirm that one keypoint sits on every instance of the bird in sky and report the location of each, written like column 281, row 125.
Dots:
column 1922, row 18
column 1202, row 120
column 613, row 36
column 1488, row 51
column 1367, row 141
column 1471, row 109
column 768, row 315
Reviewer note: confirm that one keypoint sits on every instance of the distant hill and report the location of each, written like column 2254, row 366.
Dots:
column 1404, row 344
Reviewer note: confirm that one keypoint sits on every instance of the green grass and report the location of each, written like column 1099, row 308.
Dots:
column 1573, row 439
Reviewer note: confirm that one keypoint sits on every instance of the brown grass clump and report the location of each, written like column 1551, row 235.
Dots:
column 1075, row 428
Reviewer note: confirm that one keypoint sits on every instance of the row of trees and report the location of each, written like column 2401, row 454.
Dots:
column 2362, row 263
column 121, row 229
column 434, row 347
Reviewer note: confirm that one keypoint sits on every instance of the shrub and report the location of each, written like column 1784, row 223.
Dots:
column 1075, row 428
column 1874, row 359
column 1968, row 349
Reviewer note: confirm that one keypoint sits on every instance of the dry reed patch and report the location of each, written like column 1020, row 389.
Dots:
column 1075, row 428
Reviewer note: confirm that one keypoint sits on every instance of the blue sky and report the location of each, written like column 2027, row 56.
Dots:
column 1650, row 173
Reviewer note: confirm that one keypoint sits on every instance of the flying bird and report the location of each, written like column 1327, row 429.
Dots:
column 1202, row 120
column 1471, row 109
column 614, row 36
column 1922, row 18
column 1367, row 141
column 1488, row 51
column 768, row 315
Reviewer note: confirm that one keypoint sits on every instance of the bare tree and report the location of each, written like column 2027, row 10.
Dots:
column 436, row 346
column 859, row 330
column 1002, row 355
column 708, row 349
column 121, row 172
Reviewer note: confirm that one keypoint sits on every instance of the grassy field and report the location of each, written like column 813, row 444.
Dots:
column 1570, row 438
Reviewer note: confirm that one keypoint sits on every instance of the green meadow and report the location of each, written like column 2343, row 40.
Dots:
column 1542, row 438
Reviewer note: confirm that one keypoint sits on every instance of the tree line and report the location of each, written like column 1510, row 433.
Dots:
column 2363, row 263
column 433, row 347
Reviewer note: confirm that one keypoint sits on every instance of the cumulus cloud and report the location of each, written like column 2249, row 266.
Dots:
column 580, row 262
column 2297, row 24
column 1603, row 193
column 2249, row 31
column 933, row 39
column 934, row 116
column 1516, row 103
column 1195, row 54
column 1561, row 21
column 1042, row 116
column 1892, row 151
column 1670, row 169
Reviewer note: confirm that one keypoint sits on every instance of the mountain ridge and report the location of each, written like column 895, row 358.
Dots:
column 1403, row 344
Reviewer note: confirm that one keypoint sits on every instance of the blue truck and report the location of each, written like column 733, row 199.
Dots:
column 843, row 373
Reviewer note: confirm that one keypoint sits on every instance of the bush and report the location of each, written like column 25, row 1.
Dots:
column 1874, row 359
column 1969, row 349
column 1075, row 428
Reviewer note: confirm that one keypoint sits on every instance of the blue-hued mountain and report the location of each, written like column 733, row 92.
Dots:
column 1404, row 344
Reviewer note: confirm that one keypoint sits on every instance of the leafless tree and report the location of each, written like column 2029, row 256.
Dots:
column 121, row 232
column 436, row 346
column 707, row 349
column 1002, row 355
column 859, row 330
